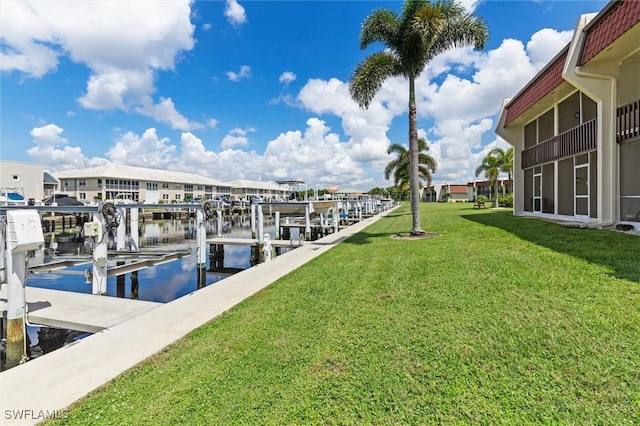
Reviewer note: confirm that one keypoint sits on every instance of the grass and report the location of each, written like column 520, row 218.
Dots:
column 501, row 320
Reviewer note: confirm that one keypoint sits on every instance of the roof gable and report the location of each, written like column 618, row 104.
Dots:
column 611, row 23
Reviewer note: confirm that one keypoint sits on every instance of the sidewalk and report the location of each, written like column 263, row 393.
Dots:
column 43, row 388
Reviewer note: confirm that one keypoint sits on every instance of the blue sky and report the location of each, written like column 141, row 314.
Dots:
column 252, row 89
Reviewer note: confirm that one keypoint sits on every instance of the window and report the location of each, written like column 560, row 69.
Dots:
column 165, row 197
column 165, row 185
column 82, row 182
column 178, row 196
column 188, row 188
column 178, row 186
column 152, row 186
column 100, row 183
column 16, row 177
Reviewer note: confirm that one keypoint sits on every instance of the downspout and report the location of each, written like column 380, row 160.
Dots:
column 579, row 72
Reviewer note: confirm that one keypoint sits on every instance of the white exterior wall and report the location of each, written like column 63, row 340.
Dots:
column 26, row 176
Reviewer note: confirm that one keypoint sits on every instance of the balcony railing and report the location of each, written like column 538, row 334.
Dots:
column 628, row 121
column 582, row 138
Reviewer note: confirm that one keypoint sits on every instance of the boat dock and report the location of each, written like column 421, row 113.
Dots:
column 56, row 380
column 77, row 311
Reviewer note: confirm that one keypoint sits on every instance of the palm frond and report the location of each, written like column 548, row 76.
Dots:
column 381, row 26
column 369, row 76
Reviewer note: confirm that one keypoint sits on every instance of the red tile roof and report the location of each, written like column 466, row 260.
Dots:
column 613, row 21
column 548, row 79
column 458, row 189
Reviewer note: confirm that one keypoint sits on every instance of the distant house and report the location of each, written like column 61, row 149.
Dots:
column 464, row 191
column 241, row 189
column 575, row 127
column 30, row 180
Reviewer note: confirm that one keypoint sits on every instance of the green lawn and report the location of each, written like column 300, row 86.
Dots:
column 501, row 320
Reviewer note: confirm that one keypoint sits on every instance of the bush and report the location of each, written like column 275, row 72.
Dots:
column 505, row 200
column 482, row 199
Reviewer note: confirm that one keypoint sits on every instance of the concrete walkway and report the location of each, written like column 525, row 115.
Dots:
column 44, row 387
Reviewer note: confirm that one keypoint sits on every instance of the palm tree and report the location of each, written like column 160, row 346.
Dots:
column 505, row 158
column 491, row 165
column 412, row 39
column 400, row 167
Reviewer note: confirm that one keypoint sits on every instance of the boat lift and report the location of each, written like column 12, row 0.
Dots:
column 21, row 234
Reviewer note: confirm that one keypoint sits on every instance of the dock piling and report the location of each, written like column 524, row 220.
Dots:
column 201, row 235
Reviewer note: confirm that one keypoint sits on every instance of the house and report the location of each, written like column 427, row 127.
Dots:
column 242, row 189
column 575, row 126
column 464, row 191
column 30, row 181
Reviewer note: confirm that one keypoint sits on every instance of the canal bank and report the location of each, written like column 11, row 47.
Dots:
column 45, row 386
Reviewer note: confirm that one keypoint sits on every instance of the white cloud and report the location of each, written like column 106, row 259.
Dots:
column 236, row 137
column 235, row 13
column 165, row 112
column 287, row 77
column 116, row 40
column 545, row 44
column 242, row 74
column 367, row 128
column 147, row 150
column 53, row 150
column 315, row 156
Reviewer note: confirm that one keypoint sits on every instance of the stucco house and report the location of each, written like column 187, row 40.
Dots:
column 575, row 126
column 32, row 181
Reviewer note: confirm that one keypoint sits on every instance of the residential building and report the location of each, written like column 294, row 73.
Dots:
column 246, row 190
column 465, row 191
column 30, row 180
column 116, row 181
column 575, row 126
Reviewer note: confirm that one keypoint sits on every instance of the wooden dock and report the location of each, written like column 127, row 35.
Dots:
column 77, row 311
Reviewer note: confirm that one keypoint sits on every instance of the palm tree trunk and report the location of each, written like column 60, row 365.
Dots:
column 414, row 178
column 497, row 191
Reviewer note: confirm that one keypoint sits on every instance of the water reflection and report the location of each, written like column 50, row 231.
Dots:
column 160, row 283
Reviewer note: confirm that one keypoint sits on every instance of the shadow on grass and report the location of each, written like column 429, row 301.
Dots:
column 399, row 213
column 362, row 237
column 613, row 250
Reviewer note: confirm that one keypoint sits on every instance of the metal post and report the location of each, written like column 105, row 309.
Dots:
column 277, row 220
column 135, row 236
column 260, row 225
column 16, row 304
column 121, row 230
column 219, row 214
column 266, row 249
column 307, row 223
column 23, row 234
column 253, row 220
column 201, row 250
column 99, row 281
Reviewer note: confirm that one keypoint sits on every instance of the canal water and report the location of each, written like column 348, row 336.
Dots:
column 161, row 283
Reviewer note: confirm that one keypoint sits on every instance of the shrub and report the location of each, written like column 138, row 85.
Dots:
column 505, row 200
column 482, row 199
